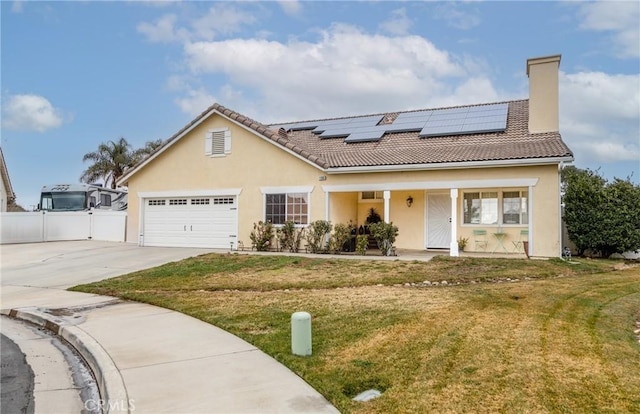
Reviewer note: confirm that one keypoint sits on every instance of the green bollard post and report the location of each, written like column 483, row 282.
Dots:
column 301, row 333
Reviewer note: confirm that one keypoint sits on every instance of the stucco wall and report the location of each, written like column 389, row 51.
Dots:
column 255, row 163
column 3, row 196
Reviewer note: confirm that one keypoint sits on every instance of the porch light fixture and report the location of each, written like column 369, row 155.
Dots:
column 409, row 201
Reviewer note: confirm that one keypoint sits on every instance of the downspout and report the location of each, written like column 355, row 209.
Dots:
column 530, row 235
column 560, row 232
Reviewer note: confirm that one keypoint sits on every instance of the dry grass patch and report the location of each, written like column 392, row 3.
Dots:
column 557, row 344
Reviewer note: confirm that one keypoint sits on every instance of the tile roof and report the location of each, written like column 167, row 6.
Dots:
column 398, row 149
column 408, row 148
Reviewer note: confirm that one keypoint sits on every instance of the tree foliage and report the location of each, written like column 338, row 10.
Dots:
column 112, row 158
column 601, row 216
column 149, row 147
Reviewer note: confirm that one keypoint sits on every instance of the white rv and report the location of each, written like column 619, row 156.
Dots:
column 79, row 197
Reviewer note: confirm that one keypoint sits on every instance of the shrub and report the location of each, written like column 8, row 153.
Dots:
column 373, row 217
column 316, row 235
column 385, row 234
column 362, row 242
column 262, row 235
column 341, row 235
column 601, row 216
column 290, row 237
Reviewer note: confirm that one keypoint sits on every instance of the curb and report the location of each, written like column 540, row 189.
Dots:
column 113, row 393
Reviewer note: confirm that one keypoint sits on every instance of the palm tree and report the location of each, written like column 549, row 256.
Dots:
column 109, row 162
column 144, row 152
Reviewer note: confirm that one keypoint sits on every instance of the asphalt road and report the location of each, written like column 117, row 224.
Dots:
column 16, row 380
column 42, row 374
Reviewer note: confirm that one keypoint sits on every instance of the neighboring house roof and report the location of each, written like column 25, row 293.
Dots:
column 404, row 150
column 11, row 196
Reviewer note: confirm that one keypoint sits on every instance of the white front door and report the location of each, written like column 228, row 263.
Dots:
column 438, row 221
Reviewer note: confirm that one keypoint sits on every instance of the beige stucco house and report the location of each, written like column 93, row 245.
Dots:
column 438, row 174
column 7, row 196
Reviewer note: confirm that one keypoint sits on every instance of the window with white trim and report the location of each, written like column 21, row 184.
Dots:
column 157, row 202
column 372, row 195
column 283, row 207
column 514, row 207
column 217, row 142
column 178, row 202
column 493, row 207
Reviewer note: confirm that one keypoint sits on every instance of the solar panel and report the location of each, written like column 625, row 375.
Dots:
column 413, row 116
column 370, row 120
column 364, row 136
column 430, row 123
column 405, row 127
column 477, row 119
column 343, row 131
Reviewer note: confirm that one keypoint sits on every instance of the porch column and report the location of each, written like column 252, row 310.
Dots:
column 387, row 196
column 326, row 206
column 453, row 246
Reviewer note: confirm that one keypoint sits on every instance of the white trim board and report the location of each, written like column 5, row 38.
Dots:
column 450, row 165
column 285, row 189
column 191, row 193
column 432, row 185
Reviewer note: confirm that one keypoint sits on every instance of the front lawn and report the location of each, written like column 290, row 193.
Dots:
column 502, row 335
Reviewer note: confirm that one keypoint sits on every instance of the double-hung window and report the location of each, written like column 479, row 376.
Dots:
column 287, row 204
column 493, row 207
column 514, row 207
column 218, row 142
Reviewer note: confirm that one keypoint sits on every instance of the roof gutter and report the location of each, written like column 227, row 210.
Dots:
column 450, row 165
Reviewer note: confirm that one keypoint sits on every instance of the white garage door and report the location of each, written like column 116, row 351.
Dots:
column 191, row 222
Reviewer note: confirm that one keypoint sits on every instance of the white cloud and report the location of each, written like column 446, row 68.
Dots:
column 600, row 116
column 351, row 71
column 220, row 19
column 195, row 101
column 621, row 18
column 17, row 6
column 30, row 113
column 162, row 30
column 291, row 7
column 456, row 17
column 399, row 24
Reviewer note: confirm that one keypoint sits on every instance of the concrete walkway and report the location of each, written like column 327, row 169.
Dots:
column 146, row 359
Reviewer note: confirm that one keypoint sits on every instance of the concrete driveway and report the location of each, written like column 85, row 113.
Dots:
column 145, row 358
column 64, row 264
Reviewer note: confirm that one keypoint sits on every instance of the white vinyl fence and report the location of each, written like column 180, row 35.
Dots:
column 42, row 226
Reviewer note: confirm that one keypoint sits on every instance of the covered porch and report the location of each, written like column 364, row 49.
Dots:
column 494, row 216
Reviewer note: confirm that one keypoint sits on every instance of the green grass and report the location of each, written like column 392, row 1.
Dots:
column 560, row 339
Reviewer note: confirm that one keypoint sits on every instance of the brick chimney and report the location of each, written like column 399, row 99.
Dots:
column 543, row 93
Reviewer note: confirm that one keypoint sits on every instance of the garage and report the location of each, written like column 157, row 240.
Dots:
column 199, row 221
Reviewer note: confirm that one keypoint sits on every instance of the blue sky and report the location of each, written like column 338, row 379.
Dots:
column 75, row 74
